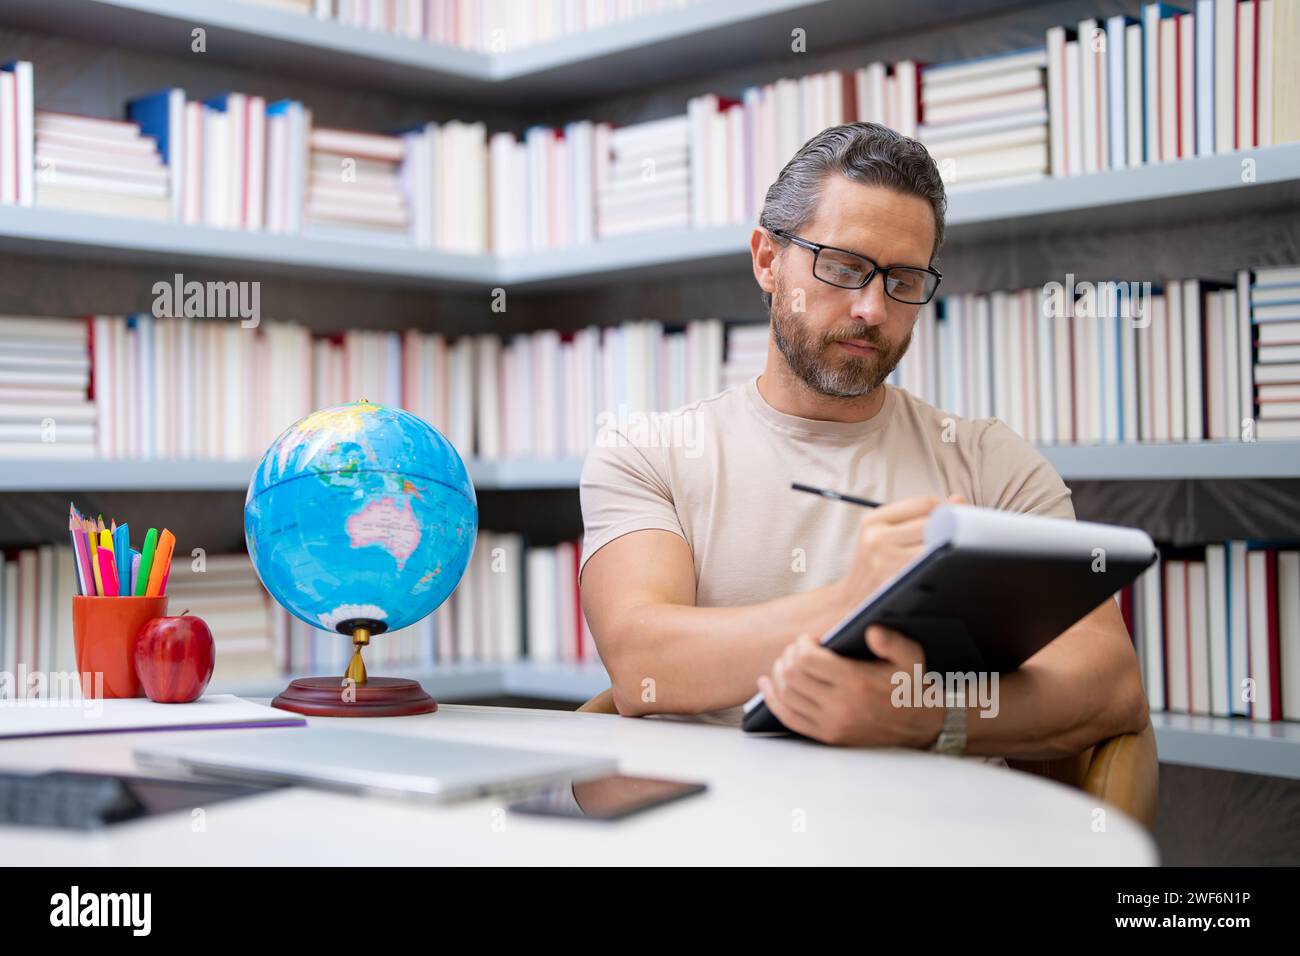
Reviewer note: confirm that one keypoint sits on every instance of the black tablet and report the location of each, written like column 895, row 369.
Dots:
column 990, row 589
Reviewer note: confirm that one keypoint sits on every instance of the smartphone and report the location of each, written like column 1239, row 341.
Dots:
column 605, row 798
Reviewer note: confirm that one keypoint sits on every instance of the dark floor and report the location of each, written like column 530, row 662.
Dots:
column 1219, row 818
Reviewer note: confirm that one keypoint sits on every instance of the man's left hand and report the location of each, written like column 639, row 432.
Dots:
column 837, row 700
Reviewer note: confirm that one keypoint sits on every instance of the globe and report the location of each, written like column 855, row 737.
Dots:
column 360, row 516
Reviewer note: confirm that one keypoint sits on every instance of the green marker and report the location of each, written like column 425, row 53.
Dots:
column 146, row 561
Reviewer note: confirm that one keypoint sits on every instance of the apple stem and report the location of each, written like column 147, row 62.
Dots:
column 184, row 612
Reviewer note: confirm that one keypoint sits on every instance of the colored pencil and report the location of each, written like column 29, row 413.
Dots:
column 85, row 579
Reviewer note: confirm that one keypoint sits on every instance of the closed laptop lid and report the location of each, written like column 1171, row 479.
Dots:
column 368, row 761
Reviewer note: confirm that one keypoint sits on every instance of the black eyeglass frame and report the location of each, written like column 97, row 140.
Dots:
column 816, row 249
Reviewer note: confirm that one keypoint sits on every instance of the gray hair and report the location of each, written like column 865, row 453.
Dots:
column 863, row 152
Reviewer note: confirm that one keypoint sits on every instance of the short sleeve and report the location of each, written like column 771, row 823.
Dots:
column 1014, row 476
column 622, row 491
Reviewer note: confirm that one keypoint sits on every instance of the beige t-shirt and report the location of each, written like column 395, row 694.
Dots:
column 718, row 473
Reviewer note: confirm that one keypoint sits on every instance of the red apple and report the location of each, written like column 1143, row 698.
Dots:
column 174, row 657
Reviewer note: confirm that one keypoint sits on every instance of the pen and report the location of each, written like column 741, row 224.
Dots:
column 836, row 496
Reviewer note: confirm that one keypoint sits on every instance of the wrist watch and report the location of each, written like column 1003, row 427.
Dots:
column 952, row 738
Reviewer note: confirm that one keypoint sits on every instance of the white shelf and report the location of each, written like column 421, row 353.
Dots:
column 70, row 234
column 125, row 475
column 1193, row 189
column 521, row 473
column 709, row 37
column 1158, row 194
column 1237, row 744
column 555, row 681
column 200, row 475
column 663, row 254
column 1201, row 188
column 1175, row 460
column 705, row 38
column 567, row 682
column 1200, row 460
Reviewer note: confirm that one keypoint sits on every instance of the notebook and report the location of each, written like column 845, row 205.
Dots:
column 49, row 718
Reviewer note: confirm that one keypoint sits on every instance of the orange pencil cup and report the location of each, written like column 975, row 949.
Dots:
column 104, row 631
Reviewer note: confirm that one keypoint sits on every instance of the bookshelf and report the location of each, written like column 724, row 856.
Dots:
column 1188, row 190
column 1137, row 462
column 711, row 35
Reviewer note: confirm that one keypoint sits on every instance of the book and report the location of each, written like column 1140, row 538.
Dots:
column 161, row 115
column 18, row 133
column 101, row 166
column 988, row 119
column 211, row 711
column 1107, row 362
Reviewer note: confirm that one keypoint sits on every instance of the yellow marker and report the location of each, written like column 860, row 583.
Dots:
column 93, row 538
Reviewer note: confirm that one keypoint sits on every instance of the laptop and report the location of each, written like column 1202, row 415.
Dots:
column 365, row 762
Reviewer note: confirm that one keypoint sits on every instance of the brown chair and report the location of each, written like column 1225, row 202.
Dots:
column 1121, row 770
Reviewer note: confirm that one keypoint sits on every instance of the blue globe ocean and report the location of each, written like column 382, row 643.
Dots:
column 360, row 515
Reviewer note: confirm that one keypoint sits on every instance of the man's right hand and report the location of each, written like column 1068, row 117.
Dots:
column 888, row 538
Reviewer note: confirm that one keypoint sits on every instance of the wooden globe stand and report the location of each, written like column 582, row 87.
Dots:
column 356, row 694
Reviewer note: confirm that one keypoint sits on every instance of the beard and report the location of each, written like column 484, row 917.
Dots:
column 828, row 370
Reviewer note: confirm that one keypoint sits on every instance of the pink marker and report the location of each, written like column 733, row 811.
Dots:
column 107, row 572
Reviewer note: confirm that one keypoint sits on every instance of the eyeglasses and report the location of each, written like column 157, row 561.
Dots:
column 848, row 270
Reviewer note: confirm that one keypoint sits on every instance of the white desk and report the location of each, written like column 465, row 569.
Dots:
column 770, row 801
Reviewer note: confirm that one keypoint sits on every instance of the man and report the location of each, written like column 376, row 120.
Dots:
column 704, row 577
